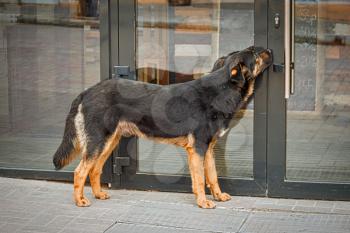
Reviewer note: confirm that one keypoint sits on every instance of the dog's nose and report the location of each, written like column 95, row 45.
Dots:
column 270, row 54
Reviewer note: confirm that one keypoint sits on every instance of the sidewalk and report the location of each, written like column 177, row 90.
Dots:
column 41, row 206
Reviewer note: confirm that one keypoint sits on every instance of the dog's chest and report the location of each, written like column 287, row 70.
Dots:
column 222, row 132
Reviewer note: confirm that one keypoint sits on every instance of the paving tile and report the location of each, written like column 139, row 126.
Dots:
column 306, row 203
column 260, row 206
column 115, row 212
column 341, row 211
column 11, row 227
column 64, row 209
column 238, row 202
column 312, row 209
column 190, row 218
column 325, row 204
column 261, row 222
column 93, row 221
column 266, row 201
column 14, row 205
column 84, row 227
column 342, row 205
column 15, row 214
column 14, row 220
column 19, row 193
column 135, row 228
column 280, row 208
column 42, row 219
column 77, row 230
column 286, row 202
column 41, row 229
column 60, row 221
column 94, row 212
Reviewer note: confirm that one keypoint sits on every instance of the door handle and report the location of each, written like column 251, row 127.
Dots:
column 278, row 68
column 289, row 84
column 292, row 74
column 123, row 72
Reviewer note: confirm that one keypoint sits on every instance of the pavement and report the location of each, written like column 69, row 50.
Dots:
column 45, row 206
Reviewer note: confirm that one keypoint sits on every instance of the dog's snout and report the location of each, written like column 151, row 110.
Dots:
column 267, row 55
column 270, row 52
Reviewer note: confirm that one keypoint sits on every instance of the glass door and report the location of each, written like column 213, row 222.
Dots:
column 166, row 42
column 309, row 142
column 49, row 53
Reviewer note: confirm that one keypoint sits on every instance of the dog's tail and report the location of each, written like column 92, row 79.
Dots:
column 69, row 148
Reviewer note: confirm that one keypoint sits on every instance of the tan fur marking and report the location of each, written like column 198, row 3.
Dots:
column 99, row 161
column 80, row 175
column 211, row 175
column 195, row 162
column 265, row 55
column 93, row 167
column 257, row 68
column 250, row 90
column 130, row 129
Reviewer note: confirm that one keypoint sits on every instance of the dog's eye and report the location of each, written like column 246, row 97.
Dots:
column 234, row 72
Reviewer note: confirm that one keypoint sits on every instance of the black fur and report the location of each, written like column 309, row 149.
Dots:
column 200, row 107
column 66, row 147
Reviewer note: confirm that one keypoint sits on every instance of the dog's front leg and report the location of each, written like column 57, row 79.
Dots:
column 196, row 163
column 212, row 177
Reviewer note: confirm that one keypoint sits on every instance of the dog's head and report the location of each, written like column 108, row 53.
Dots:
column 244, row 66
column 241, row 69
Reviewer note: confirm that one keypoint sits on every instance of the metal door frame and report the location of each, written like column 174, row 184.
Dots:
column 278, row 185
column 122, row 26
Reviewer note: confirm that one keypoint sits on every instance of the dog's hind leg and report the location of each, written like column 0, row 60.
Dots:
column 211, row 175
column 195, row 162
column 80, row 175
column 96, row 171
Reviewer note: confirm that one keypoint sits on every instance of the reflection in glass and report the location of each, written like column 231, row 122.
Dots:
column 178, row 41
column 318, row 127
column 49, row 53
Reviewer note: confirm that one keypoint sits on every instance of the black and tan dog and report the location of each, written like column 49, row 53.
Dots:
column 192, row 115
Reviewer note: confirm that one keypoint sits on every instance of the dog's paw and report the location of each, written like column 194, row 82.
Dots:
column 102, row 195
column 82, row 202
column 206, row 204
column 223, row 197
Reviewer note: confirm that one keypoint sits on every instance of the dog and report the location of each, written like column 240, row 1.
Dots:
column 192, row 115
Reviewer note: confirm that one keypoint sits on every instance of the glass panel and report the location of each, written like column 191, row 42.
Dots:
column 49, row 53
column 178, row 41
column 318, row 127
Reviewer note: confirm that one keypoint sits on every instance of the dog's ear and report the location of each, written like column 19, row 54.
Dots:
column 219, row 63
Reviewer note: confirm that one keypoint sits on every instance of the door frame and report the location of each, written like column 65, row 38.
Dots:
column 278, row 185
column 122, row 28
